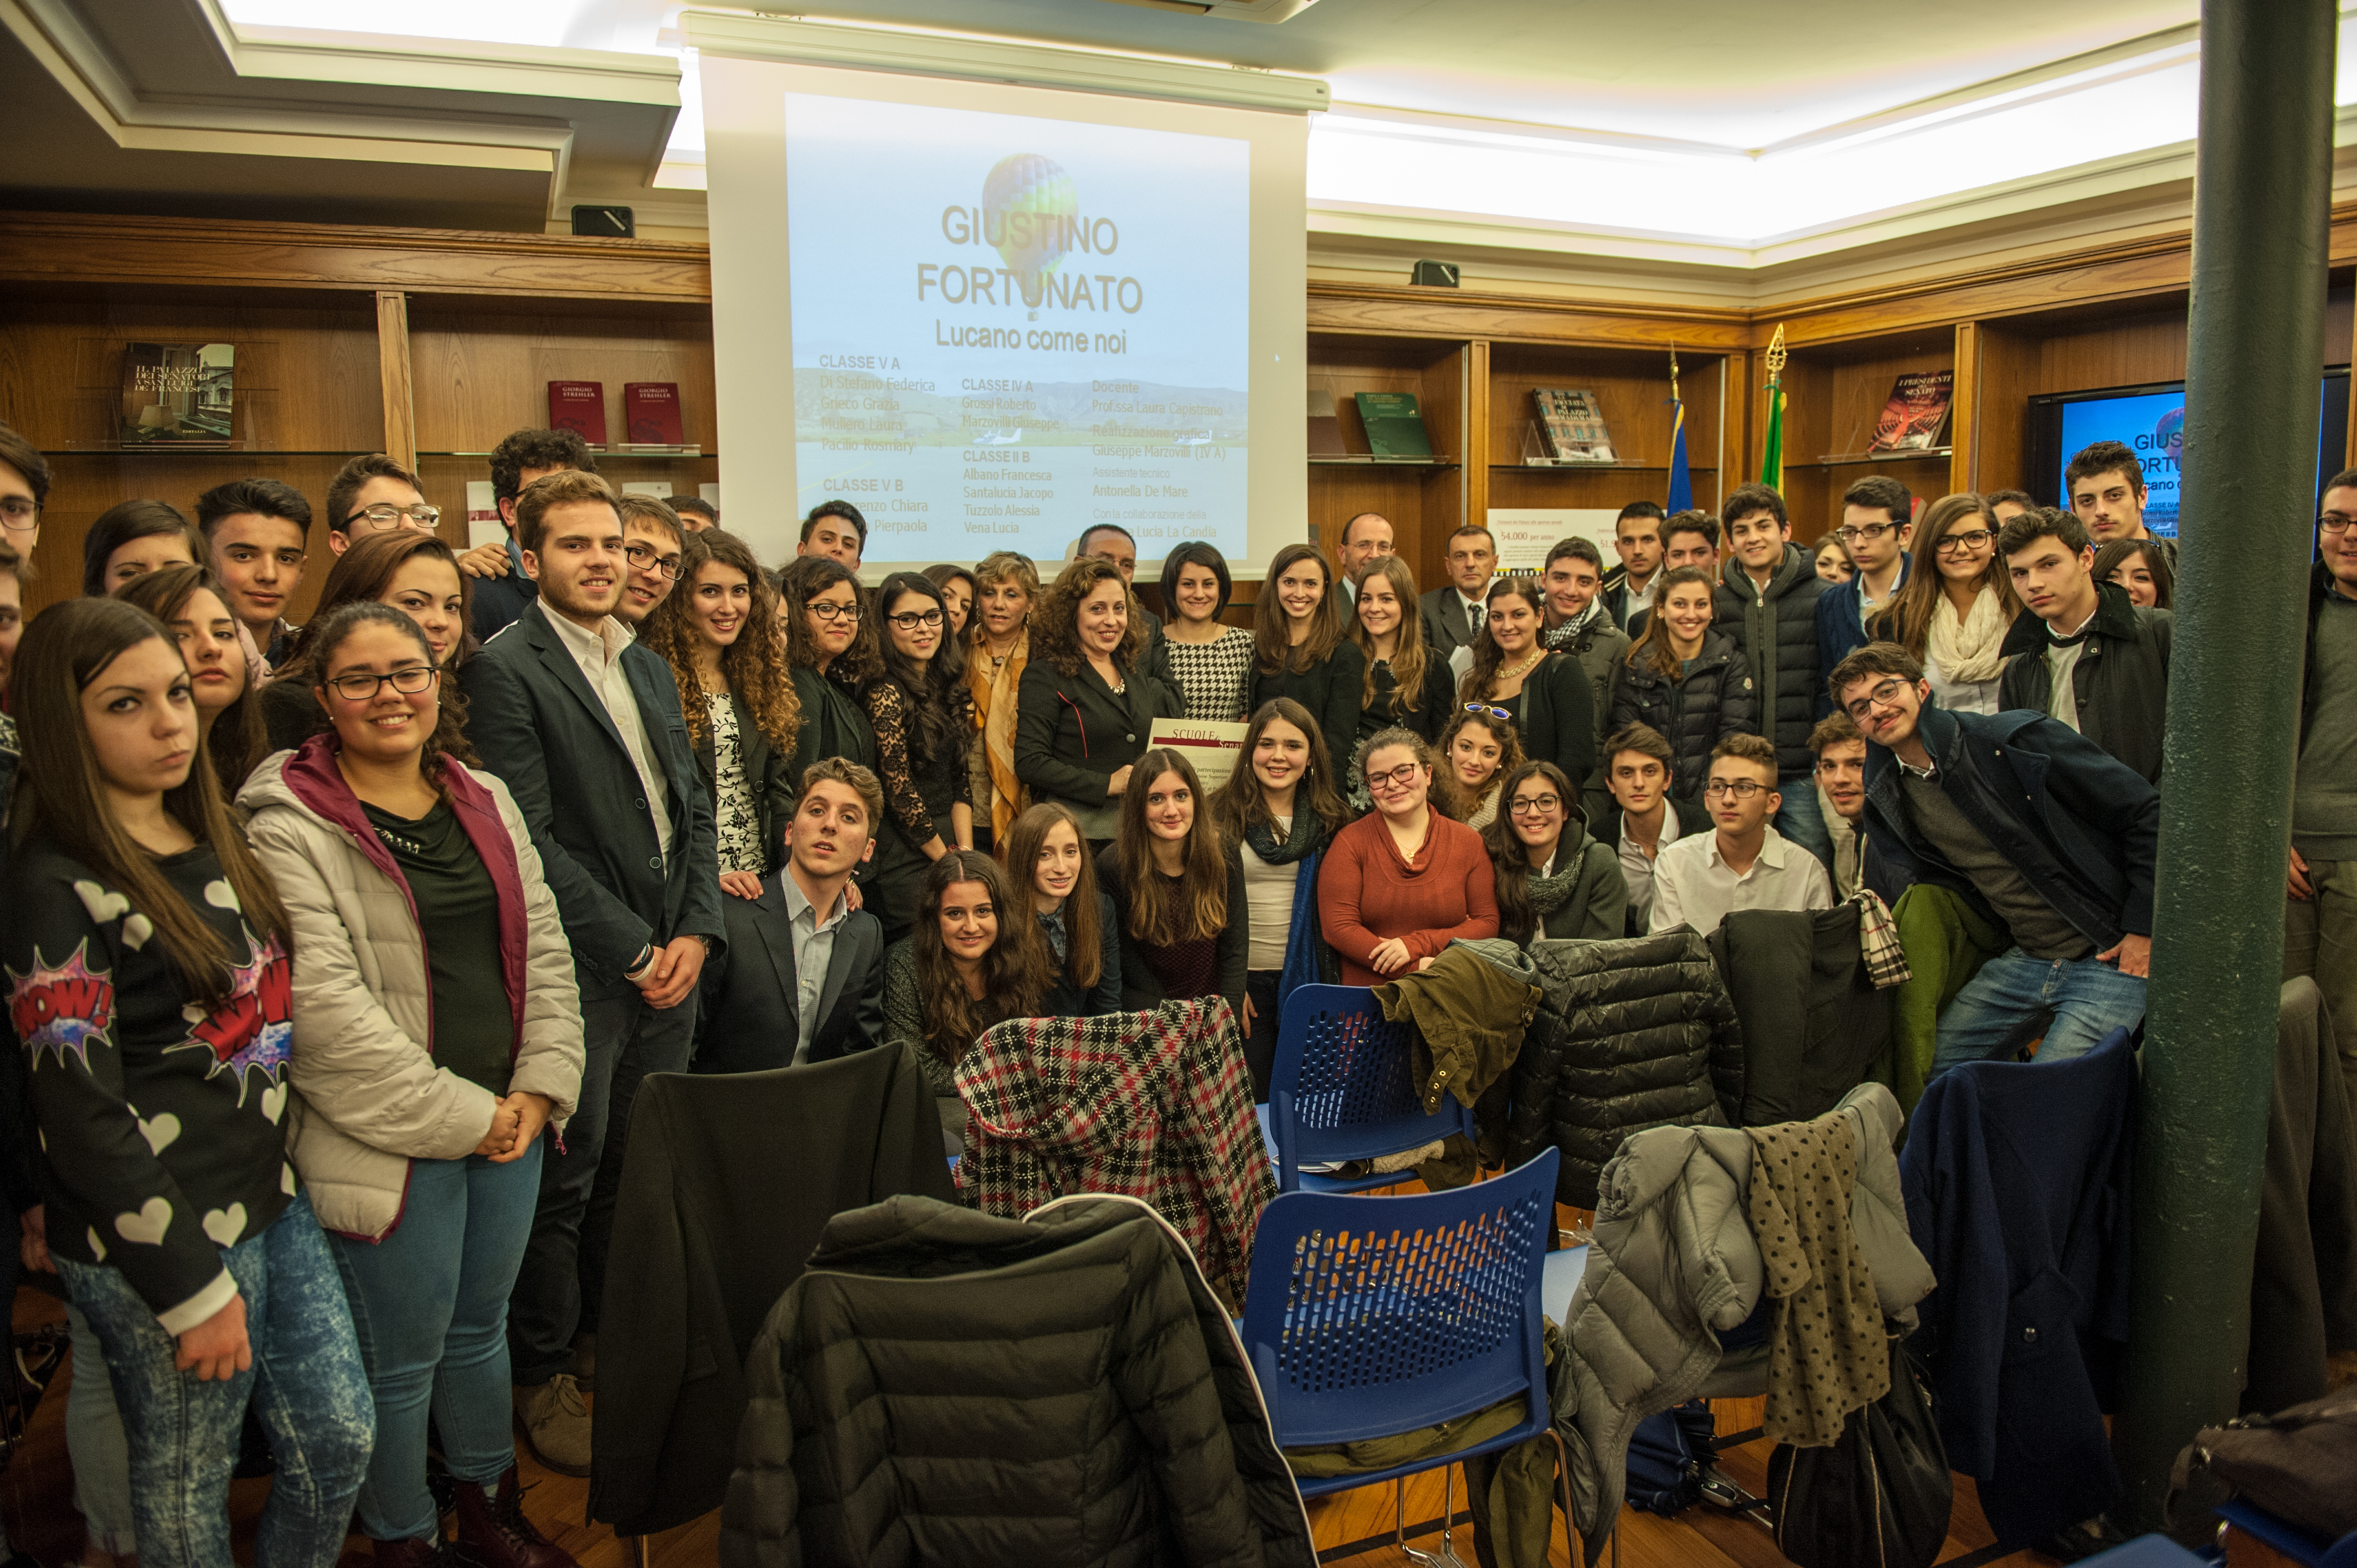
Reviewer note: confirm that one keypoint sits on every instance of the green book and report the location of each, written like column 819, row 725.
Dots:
column 1394, row 428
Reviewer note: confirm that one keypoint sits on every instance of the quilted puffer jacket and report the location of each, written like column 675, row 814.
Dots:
column 943, row 1387
column 1629, row 1034
column 1694, row 713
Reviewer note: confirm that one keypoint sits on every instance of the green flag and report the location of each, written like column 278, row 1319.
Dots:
column 1772, row 450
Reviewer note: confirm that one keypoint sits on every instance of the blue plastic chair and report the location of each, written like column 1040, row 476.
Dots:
column 2288, row 1538
column 1371, row 1317
column 1344, row 1087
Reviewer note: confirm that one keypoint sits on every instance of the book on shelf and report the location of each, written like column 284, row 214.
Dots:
column 580, row 407
column 1325, row 426
column 1917, row 414
column 650, row 414
column 1572, row 420
column 1395, row 426
column 178, row 393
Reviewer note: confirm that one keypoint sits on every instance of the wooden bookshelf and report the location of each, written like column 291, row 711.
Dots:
column 1424, row 501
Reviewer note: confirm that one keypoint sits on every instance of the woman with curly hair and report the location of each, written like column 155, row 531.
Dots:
column 1546, row 694
column 972, row 960
column 1477, row 749
column 1299, row 649
column 737, row 695
column 919, row 710
column 830, row 654
column 998, row 651
column 1084, row 710
column 414, row 573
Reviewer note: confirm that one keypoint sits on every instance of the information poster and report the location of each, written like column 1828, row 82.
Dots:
column 1008, row 328
column 1525, row 534
column 1214, row 749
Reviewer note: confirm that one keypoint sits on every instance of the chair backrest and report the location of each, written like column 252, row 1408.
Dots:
column 1371, row 1315
column 1344, row 1084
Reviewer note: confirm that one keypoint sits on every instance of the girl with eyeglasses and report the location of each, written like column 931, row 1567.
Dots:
column 1402, row 882
column 415, row 574
column 998, row 648
column 437, row 1036
column 1084, row 709
column 1298, row 648
column 1408, row 682
column 190, row 600
column 919, row 712
column 1178, row 892
column 1555, row 879
column 830, row 654
column 148, row 971
column 1547, row 695
column 1477, row 749
column 1686, row 683
column 1953, row 618
column 737, row 695
column 1209, row 665
column 1280, row 810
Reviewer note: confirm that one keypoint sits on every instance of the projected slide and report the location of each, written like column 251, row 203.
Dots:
column 1006, row 328
column 2152, row 426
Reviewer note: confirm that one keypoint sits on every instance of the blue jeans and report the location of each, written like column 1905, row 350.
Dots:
column 306, row 1382
column 564, row 1273
column 1799, row 819
column 430, row 1305
column 1997, row 1011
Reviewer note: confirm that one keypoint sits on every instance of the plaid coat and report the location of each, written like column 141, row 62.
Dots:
column 1155, row 1106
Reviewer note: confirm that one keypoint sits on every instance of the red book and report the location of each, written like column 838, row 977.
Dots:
column 650, row 414
column 580, row 407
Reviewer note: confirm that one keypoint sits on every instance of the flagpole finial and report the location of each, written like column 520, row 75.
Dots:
column 1673, row 373
column 1776, row 355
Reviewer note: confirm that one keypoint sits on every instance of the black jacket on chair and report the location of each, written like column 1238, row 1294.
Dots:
column 749, row 1017
column 729, row 1184
column 769, row 773
column 1073, row 733
column 1812, row 1020
column 537, row 724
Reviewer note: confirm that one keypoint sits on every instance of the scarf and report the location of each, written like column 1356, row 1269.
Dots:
column 994, row 715
column 1969, row 650
column 1547, row 893
column 1309, row 835
column 1571, row 629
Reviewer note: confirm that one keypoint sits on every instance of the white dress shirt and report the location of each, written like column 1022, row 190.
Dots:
column 599, row 654
column 1693, row 886
column 813, row 941
column 1636, row 870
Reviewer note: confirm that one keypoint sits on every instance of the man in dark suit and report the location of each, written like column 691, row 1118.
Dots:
column 585, row 728
column 1453, row 614
column 802, row 979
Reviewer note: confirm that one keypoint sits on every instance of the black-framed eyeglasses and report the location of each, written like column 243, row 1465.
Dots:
column 1871, row 531
column 1401, row 777
column 361, row 688
column 829, row 609
column 1741, row 788
column 2330, row 523
column 1971, row 539
column 19, row 514
column 1536, row 805
column 384, row 514
column 910, row 620
column 1884, row 695
column 642, row 556
column 1486, row 711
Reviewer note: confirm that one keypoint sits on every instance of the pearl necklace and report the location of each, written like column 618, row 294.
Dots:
column 1525, row 667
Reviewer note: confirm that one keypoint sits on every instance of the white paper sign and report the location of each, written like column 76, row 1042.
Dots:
column 483, row 524
column 1212, row 748
column 1525, row 534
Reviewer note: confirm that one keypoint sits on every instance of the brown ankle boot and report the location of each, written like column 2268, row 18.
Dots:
column 425, row 1553
column 495, row 1533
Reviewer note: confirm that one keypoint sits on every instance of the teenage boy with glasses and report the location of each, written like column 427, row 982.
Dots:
column 651, row 553
column 373, row 492
column 2039, row 829
column 2320, row 908
column 1877, row 520
column 1746, row 863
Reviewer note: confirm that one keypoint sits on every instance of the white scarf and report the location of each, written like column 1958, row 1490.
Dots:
column 1967, row 650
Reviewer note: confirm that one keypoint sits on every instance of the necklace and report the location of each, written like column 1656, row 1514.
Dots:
column 1517, row 672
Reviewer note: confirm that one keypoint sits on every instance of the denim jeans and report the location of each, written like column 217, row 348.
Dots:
column 1799, row 819
column 430, row 1305
column 306, row 1382
column 564, row 1271
column 94, row 1442
column 1998, row 1010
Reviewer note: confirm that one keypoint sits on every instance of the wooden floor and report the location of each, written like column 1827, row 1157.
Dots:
column 37, row 1505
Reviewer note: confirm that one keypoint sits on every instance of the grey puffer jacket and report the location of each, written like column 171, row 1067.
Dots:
column 1776, row 627
column 944, row 1386
column 1631, row 1034
column 1673, row 1266
column 1708, row 703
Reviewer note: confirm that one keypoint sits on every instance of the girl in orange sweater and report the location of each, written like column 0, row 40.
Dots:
column 1401, row 881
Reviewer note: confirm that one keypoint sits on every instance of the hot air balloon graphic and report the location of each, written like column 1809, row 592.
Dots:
column 1027, row 205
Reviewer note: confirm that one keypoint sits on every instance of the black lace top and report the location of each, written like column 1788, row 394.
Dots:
column 917, row 792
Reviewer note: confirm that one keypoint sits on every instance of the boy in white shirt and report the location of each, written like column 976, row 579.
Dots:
column 1746, row 863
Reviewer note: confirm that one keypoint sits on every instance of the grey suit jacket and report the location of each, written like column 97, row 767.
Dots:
column 1445, row 625
column 748, row 1013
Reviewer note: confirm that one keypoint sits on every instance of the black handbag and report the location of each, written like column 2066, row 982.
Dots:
column 1879, row 1497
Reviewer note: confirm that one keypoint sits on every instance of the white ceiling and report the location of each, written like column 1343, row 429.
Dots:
column 1723, row 132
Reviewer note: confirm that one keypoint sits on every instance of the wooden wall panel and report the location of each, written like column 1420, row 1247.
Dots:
column 480, row 376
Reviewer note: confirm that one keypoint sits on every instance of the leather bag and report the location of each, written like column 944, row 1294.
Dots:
column 2299, row 1463
column 1879, row 1497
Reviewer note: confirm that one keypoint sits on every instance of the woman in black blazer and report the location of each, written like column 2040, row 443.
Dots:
column 1300, row 650
column 1083, row 711
column 832, row 651
column 1547, row 695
